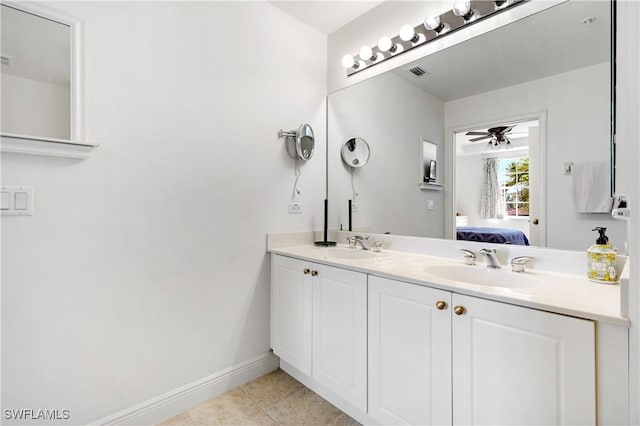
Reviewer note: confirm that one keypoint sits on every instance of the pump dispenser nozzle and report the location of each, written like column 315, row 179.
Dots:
column 602, row 239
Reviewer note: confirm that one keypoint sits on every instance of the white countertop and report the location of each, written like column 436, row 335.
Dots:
column 566, row 294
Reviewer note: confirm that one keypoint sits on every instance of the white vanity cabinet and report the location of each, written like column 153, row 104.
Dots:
column 434, row 354
column 409, row 353
column 514, row 365
column 291, row 311
column 392, row 352
column 319, row 325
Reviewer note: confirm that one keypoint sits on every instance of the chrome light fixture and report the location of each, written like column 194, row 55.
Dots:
column 408, row 33
column 462, row 8
column 433, row 23
column 433, row 26
column 385, row 44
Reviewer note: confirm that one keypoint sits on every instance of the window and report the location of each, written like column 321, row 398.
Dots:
column 514, row 181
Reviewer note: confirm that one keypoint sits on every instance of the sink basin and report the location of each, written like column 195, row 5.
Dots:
column 347, row 253
column 481, row 275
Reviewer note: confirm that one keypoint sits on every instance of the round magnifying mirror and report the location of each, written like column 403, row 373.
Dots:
column 305, row 142
column 355, row 152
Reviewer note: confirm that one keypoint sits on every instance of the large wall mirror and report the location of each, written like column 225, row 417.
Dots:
column 41, row 77
column 544, row 80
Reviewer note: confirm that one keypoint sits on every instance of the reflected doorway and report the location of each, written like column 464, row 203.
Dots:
column 498, row 189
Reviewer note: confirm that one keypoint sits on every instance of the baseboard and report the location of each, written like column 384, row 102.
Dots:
column 178, row 400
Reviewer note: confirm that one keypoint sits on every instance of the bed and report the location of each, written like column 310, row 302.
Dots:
column 492, row 235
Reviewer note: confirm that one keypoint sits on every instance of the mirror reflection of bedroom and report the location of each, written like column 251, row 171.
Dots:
column 497, row 183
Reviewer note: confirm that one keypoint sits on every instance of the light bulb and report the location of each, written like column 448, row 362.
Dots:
column 366, row 53
column 385, row 44
column 432, row 22
column 461, row 7
column 348, row 61
column 407, row 33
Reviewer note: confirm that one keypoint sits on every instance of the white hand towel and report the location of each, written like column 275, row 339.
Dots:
column 591, row 187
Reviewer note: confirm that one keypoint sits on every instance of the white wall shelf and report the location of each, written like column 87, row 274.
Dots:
column 431, row 186
column 47, row 147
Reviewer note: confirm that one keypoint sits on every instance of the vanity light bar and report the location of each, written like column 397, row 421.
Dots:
column 463, row 12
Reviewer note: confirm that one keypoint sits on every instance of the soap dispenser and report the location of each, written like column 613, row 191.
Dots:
column 602, row 259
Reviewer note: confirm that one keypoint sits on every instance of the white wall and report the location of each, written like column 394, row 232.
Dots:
column 393, row 116
column 628, row 176
column 35, row 108
column 144, row 267
column 577, row 131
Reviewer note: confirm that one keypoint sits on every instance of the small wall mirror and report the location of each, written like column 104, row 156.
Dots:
column 355, row 152
column 429, row 162
column 36, row 75
column 41, row 77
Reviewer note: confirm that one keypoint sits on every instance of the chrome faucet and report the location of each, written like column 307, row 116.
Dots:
column 518, row 264
column 491, row 257
column 469, row 257
column 356, row 240
column 362, row 241
column 377, row 246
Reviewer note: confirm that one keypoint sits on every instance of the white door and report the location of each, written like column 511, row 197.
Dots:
column 340, row 333
column 537, row 221
column 514, row 366
column 291, row 304
column 409, row 353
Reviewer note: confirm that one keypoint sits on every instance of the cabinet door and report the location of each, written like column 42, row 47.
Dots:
column 409, row 353
column 340, row 333
column 514, row 365
column 291, row 293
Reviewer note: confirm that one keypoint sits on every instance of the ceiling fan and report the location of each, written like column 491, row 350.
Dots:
column 496, row 135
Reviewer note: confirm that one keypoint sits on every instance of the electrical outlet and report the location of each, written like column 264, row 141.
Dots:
column 295, row 208
column 431, row 205
column 354, row 208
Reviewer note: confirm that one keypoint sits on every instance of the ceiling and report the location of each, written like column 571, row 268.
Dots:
column 326, row 16
column 550, row 42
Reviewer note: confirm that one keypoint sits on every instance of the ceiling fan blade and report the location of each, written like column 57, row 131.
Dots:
column 480, row 138
column 500, row 129
column 476, row 133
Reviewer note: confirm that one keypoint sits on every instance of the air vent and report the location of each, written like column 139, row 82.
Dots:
column 417, row 71
column 5, row 60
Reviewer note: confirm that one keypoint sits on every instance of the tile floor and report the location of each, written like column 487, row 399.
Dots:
column 273, row 399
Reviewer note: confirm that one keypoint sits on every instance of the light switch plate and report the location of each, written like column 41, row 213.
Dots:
column 431, row 205
column 17, row 201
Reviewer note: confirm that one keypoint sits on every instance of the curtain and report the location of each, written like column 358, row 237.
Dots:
column 491, row 205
